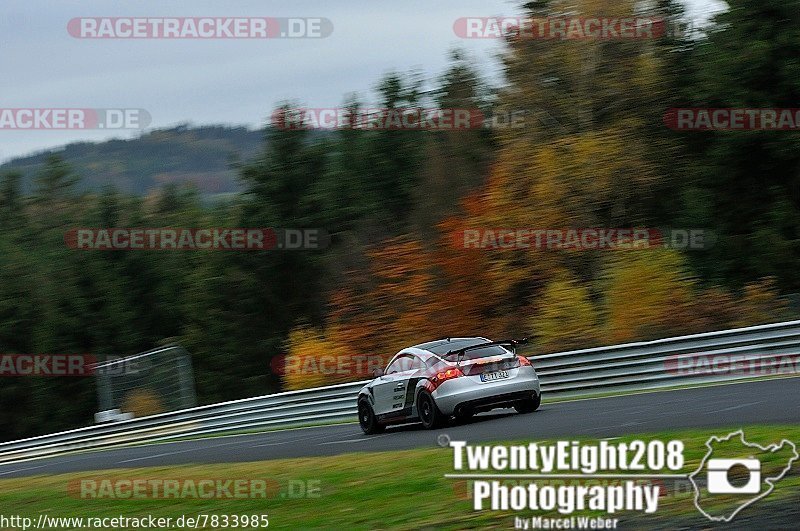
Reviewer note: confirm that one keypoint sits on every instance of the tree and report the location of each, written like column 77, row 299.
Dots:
column 10, row 198
column 746, row 185
column 55, row 181
column 567, row 318
column 648, row 295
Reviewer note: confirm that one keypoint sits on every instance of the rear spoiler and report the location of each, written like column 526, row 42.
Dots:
column 506, row 342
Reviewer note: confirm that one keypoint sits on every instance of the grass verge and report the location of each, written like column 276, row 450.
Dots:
column 392, row 490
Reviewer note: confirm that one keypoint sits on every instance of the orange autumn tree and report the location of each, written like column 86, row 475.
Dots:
column 760, row 302
column 648, row 294
column 468, row 302
column 409, row 294
column 652, row 294
column 568, row 319
column 584, row 158
column 314, row 360
column 390, row 305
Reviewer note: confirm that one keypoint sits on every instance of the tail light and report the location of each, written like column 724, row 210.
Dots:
column 442, row 376
column 523, row 361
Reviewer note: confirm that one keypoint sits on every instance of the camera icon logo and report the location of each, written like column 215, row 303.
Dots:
column 734, row 476
column 738, row 473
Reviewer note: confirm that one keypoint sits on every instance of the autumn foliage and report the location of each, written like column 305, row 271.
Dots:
column 412, row 292
column 592, row 154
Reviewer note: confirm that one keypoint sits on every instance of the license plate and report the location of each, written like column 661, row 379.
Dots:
column 492, row 376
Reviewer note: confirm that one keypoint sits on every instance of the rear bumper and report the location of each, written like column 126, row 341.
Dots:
column 469, row 391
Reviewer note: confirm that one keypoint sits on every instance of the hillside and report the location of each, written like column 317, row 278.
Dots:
column 201, row 155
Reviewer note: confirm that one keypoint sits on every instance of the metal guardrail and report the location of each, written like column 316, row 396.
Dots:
column 628, row 367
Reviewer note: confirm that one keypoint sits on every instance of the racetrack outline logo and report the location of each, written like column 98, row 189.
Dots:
column 769, row 480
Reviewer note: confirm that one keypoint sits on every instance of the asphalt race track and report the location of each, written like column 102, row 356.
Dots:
column 729, row 406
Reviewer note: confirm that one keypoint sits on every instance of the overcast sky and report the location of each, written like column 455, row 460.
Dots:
column 224, row 81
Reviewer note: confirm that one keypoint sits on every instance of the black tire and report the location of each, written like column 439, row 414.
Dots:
column 530, row 405
column 367, row 420
column 428, row 412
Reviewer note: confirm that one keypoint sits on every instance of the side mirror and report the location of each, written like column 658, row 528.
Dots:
column 377, row 373
column 523, row 341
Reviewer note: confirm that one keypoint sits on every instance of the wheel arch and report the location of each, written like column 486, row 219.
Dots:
column 423, row 385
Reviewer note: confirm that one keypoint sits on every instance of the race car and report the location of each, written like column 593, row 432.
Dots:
column 454, row 377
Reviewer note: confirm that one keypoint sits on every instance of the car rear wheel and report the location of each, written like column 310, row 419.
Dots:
column 367, row 420
column 428, row 411
column 529, row 405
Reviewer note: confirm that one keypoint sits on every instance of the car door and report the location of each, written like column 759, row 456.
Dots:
column 391, row 388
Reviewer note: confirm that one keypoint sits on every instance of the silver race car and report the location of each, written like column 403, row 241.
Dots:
column 432, row 382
